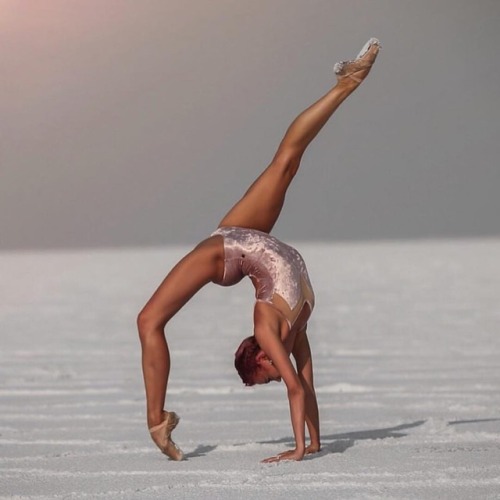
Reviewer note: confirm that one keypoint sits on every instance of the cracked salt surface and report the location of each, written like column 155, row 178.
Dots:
column 406, row 352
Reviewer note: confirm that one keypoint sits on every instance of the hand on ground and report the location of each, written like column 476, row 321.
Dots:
column 286, row 455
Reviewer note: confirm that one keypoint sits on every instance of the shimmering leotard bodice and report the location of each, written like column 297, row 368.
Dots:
column 275, row 268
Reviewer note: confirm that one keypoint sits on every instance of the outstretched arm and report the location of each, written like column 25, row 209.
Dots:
column 267, row 334
column 302, row 354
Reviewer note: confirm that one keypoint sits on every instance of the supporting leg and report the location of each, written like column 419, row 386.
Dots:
column 156, row 369
column 191, row 273
column 262, row 203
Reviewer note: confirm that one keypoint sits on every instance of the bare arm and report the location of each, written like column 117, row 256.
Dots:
column 302, row 354
column 267, row 334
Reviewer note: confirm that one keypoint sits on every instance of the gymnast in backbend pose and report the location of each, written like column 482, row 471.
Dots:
column 242, row 246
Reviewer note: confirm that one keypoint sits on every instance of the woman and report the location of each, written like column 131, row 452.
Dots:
column 242, row 246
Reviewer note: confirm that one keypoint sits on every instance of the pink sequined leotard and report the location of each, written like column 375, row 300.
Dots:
column 276, row 269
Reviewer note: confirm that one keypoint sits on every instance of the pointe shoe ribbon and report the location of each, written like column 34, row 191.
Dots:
column 347, row 69
column 161, row 435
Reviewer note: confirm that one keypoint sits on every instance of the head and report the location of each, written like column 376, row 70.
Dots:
column 253, row 365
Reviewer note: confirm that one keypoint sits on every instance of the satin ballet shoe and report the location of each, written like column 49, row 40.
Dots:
column 348, row 69
column 161, row 435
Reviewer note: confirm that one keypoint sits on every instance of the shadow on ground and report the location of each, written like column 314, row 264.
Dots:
column 200, row 451
column 338, row 443
column 476, row 421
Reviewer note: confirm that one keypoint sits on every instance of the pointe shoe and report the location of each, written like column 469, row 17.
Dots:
column 348, row 69
column 161, row 435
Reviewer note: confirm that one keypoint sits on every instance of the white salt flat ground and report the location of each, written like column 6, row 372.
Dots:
column 406, row 347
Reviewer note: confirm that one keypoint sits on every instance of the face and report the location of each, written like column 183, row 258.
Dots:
column 266, row 372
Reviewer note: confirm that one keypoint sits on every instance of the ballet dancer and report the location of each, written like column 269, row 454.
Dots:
column 242, row 246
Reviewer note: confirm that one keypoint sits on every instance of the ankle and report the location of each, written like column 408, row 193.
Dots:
column 347, row 86
column 343, row 89
column 154, row 418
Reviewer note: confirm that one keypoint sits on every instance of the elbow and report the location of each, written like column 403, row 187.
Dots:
column 296, row 391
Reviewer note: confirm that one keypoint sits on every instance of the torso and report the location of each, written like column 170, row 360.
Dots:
column 276, row 270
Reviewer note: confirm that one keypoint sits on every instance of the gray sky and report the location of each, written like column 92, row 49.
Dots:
column 139, row 123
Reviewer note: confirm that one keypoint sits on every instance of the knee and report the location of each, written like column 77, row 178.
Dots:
column 147, row 324
column 287, row 161
column 142, row 324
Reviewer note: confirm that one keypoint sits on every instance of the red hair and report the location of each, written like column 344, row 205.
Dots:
column 245, row 360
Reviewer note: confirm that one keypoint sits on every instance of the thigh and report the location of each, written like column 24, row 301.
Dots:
column 261, row 205
column 191, row 273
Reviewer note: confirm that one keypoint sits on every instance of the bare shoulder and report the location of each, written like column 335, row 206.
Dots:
column 266, row 317
column 267, row 333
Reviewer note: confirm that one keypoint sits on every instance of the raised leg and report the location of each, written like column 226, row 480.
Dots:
column 261, row 205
